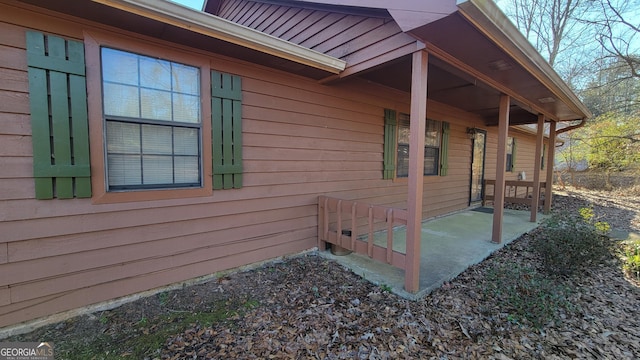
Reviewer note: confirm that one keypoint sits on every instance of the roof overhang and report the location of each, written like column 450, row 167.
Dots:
column 170, row 21
column 492, row 22
column 477, row 54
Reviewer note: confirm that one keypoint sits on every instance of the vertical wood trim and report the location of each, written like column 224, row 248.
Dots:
column 535, row 197
column 514, row 152
column 501, row 164
column 444, row 149
column 416, row 169
column 370, row 237
column 390, row 138
column 321, row 214
column 339, row 223
column 354, row 226
column 389, row 235
column 325, row 224
column 548, row 190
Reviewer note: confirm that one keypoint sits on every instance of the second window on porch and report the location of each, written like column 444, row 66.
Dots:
column 432, row 144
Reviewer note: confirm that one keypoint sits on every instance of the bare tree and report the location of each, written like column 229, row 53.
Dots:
column 552, row 26
column 618, row 24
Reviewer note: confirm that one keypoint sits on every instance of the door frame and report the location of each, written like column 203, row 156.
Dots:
column 484, row 158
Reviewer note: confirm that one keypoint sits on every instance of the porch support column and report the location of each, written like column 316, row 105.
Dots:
column 416, row 169
column 501, row 167
column 535, row 200
column 548, row 190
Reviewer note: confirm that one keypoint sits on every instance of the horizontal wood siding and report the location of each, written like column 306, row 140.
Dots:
column 301, row 140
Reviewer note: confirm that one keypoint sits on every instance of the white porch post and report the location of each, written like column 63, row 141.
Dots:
column 416, row 169
column 548, row 191
column 501, row 166
column 535, row 200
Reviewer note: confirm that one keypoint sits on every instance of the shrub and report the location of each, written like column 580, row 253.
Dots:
column 631, row 259
column 525, row 294
column 568, row 243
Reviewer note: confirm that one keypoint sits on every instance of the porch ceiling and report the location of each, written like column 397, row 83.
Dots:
column 450, row 86
column 469, row 70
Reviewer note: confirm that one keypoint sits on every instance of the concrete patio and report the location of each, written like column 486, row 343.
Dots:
column 450, row 244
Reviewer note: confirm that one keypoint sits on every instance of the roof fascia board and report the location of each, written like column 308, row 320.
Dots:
column 489, row 19
column 216, row 27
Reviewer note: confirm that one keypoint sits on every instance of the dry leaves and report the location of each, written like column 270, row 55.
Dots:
column 310, row 308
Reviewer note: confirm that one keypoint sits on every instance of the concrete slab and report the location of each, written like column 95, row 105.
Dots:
column 450, row 244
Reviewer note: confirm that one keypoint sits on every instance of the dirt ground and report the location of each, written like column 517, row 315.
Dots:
column 311, row 308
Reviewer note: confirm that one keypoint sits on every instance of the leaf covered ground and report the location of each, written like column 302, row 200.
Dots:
column 311, row 308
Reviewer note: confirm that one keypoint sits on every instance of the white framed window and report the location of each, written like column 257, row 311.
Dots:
column 153, row 122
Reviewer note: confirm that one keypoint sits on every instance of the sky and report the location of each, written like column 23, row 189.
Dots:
column 196, row 4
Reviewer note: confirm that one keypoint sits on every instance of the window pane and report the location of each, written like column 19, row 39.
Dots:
column 156, row 104
column 121, row 100
column 157, row 169
column 186, row 108
column 124, row 170
column 402, row 168
column 186, row 79
column 431, row 160
column 186, row 169
column 432, row 133
column 185, row 141
column 156, row 139
column 123, row 138
column 155, row 74
column 119, row 66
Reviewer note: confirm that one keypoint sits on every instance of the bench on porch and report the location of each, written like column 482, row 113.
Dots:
column 515, row 192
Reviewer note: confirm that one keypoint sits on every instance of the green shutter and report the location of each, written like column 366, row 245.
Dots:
column 444, row 149
column 390, row 138
column 226, row 128
column 513, row 156
column 544, row 150
column 59, row 122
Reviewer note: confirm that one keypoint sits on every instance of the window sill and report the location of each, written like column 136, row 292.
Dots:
column 149, row 195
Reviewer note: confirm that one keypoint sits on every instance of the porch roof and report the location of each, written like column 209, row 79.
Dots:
column 476, row 54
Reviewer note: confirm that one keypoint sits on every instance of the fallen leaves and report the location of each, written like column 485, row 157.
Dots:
column 311, row 308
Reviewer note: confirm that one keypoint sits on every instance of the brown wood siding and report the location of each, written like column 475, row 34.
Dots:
column 301, row 140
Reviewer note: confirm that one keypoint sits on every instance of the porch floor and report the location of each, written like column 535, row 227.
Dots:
column 450, row 244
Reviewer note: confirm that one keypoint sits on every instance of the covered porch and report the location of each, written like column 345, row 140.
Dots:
column 449, row 245
column 490, row 72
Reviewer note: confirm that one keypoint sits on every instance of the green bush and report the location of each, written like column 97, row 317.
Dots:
column 569, row 243
column 525, row 294
column 631, row 259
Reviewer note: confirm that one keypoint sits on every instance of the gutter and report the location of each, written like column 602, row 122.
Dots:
column 216, row 27
column 582, row 123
